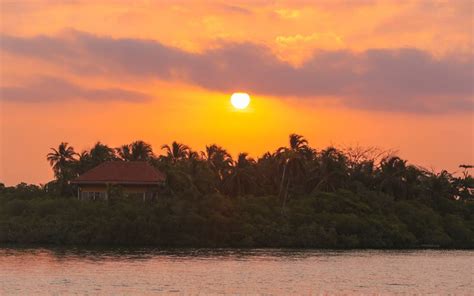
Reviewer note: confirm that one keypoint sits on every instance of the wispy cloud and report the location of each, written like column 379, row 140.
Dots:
column 50, row 89
column 233, row 9
column 404, row 79
column 288, row 13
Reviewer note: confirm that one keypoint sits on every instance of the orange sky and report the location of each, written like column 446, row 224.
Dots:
column 382, row 73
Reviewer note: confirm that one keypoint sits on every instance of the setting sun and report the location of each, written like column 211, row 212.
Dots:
column 240, row 100
column 219, row 132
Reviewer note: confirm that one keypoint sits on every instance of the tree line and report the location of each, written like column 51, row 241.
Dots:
column 286, row 173
column 295, row 196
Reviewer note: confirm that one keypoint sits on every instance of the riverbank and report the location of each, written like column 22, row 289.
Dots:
column 340, row 220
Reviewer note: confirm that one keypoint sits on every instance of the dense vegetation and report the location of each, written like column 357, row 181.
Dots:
column 294, row 197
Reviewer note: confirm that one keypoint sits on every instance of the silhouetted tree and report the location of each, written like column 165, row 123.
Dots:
column 268, row 174
column 292, row 161
column 330, row 171
column 98, row 154
column 136, row 151
column 241, row 179
column 292, row 171
column 439, row 185
column 176, row 151
column 61, row 160
column 124, row 152
column 218, row 160
column 392, row 175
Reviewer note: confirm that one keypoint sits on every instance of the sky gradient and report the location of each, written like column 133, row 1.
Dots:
column 392, row 74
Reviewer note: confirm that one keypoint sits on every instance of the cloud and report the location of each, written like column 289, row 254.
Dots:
column 50, row 89
column 404, row 79
column 234, row 9
column 288, row 13
column 302, row 39
column 298, row 48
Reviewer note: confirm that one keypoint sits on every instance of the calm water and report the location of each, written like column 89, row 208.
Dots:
column 148, row 271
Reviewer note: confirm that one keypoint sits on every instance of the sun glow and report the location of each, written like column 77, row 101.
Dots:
column 240, row 100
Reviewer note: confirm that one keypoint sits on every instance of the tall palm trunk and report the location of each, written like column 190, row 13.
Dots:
column 282, row 179
column 285, row 197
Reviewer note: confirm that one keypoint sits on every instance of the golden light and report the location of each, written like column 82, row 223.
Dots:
column 240, row 100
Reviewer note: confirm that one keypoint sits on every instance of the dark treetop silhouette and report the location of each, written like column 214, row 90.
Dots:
column 295, row 196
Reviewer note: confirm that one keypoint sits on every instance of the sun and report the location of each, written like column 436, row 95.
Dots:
column 240, row 100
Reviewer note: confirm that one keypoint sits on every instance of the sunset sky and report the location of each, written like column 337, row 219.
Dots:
column 392, row 74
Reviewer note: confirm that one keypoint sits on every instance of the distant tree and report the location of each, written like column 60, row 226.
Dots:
column 392, row 175
column 439, row 185
column 330, row 171
column 176, row 151
column 124, row 152
column 241, row 180
column 359, row 154
column 101, row 153
column 194, row 155
column 203, row 178
column 98, row 154
column 141, row 151
column 292, row 163
column 413, row 181
column 61, row 160
column 464, row 186
column 64, row 164
column 268, row 173
column 219, row 160
column 136, row 151
column 290, row 172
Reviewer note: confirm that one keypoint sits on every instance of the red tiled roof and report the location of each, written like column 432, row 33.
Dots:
column 121, row 172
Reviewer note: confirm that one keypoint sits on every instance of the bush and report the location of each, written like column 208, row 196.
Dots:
column 339, row 219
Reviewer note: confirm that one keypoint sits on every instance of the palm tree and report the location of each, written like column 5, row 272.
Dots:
column 83, row 163
column 440, row 185
column 202, row 178
column 194, row 155
column 330, row 170
column 141, row 151
column 61, row 159
column 269, row 177
column 219, row 160
column 413, row 181
column 136, row 151
column 98, row 154
column 124, row 152
column 297, row 142
column 392, row 175
column 463, row 185
column 292, row 163
column 176, row 151
column 83, row 155
column 242, row 179
column 101, row 153
column 362, row 173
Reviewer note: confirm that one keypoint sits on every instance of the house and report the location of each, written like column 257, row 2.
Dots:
column 134, row 178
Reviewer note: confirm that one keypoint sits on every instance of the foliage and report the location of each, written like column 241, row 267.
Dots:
column 293, row 197
column 340, row 219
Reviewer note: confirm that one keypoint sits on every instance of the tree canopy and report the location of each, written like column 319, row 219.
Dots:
column 295, row 196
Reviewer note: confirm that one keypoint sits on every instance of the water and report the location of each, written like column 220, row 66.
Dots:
column 261, row 271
